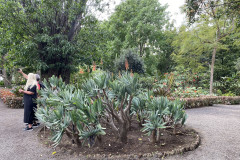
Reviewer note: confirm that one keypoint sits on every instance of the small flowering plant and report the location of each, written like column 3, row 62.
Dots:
column 164, row 87
column 5, row 93
column 189, row 92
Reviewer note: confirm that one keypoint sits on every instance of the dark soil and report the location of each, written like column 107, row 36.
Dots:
column 138, row 142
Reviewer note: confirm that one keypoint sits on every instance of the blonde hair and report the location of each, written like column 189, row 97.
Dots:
column 31, row 81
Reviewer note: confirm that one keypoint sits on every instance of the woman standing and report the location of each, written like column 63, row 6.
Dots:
column 30, row 95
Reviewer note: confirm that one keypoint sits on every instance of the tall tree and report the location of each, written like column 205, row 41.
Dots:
column 138, row 23
column 50, row 28
column 216, row 15
column 189, row 52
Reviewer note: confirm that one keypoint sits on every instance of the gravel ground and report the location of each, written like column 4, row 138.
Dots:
column 219, row 128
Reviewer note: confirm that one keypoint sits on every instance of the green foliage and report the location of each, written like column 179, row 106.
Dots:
column 63, row 108
column 116, row 95
column 154, row 122
column 135, row 62
column 194, row 8
column 16, row 91
column 237, row 65
column 45, row 33
column 80, row 76
column 163, row 113
column 229, row 85
column 209, row 101
column 137, row 24
column 177, row 113
column 146, row 81
column 190, row 54
column 139, row 107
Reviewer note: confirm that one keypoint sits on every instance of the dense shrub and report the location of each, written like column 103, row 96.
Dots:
column 14, row 102
column 103, row 99
column 229, row 85
column 162, row 113
column 66, row 109
column 130, row 61
column 1, row 83
column 209, row 101
column 10, row 99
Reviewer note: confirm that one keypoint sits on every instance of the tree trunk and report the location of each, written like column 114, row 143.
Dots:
column 123, row 132
column 50, row 72
column 158, row 135
column 154, row 133
column 174, row 129
column 6, row 80
column 65, row 76
column 212, row 69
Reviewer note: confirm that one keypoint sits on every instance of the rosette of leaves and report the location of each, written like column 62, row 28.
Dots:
column 164, row 86
column 177, row 114
column 158, row 108
column 65, row 109
column 139, row 107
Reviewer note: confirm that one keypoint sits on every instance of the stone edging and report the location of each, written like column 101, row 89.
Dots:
column 181, row 150
column 192, row 147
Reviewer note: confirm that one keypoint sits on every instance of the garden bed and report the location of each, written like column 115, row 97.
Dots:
column 138, row 146
column 209, row 101
column 10, row 99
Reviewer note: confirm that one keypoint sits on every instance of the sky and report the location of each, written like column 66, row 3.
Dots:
column 173, row 9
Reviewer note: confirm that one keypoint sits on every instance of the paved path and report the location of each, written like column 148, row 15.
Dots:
column 219, row 127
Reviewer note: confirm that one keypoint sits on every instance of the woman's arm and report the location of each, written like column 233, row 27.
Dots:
column 24, row 75
column 26, row 92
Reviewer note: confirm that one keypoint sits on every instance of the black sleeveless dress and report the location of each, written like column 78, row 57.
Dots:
column 29, row 105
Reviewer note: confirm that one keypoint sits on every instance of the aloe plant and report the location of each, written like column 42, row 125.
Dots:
column 163, row 113
column 153, row 123
column 65, row 109
column 116, row 95
column 177, row 113
column 158, row 108
column 139, row 107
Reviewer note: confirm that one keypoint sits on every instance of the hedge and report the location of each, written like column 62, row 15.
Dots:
column 14, row 102
column 10, row 99
column 209, row 101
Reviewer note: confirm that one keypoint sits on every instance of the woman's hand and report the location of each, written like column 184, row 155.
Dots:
column 20, row 70
column 20, row 91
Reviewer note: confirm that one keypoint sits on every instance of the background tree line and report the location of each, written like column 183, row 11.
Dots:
column 56, row 37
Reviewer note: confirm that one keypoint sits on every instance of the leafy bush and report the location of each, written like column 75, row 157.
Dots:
column 230, row 85
column 79, row 77
column 65, row 109
column 189, row 92
column 1, row 83
column 147, row 82
column 116, row 95
column 14, row 102
column 130, row 61
column 10, row 99
column 104, row 99
column 16, row 92
column 165, row 86
column 163, row 113
column 209, row 101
